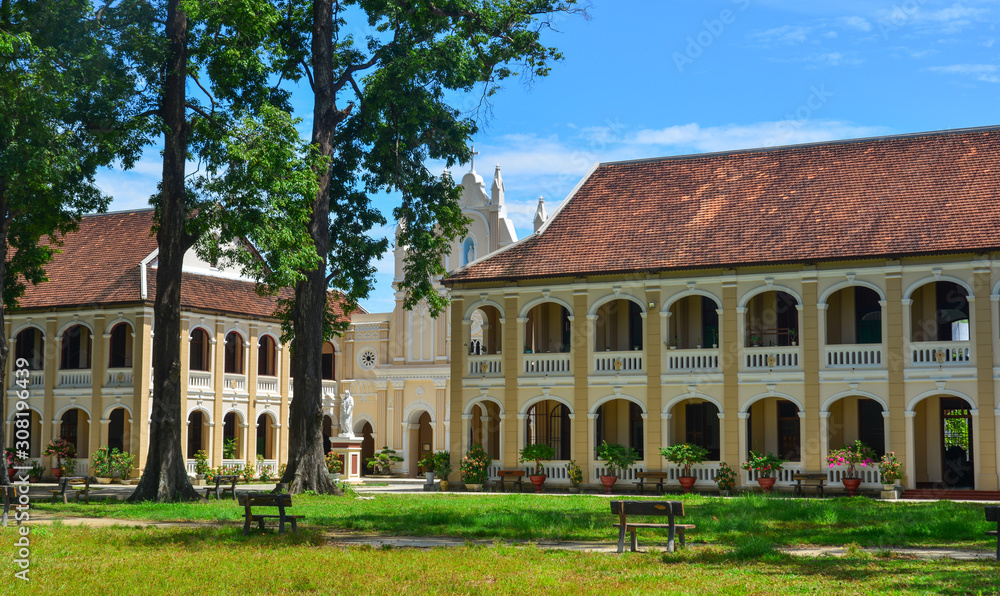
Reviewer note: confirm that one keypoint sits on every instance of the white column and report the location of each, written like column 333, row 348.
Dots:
column 824, row 435
column 911, row 466
column 887, row 443
column 467, row 427
column 802, row 436
column 907, row 334
column 741, row 340
column 743, row 416
column 246, row 444
column 591, row 439
column 722, row 441
column 665, row 429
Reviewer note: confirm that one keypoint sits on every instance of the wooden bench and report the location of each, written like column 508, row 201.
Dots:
column 818, row 480
column 9, row 500
column 79, row 484
column 515, row 475
column 644, row 476
column 221, row 491
column 993, row 515
column 670, row 509
column 249, row 500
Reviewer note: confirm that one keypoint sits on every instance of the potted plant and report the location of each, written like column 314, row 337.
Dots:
column 123, row 461
column 851, row 456
column 333, row 464
column 427, row 463
column 685, row 455
column 575, row 475
column 12, row 460
column 201, row 467
column 616, row 457
column 756, row 341
column 383, row 461
column 68, row 467
column 764, row 466
column 537, row 452
column 891, row 470
column 59, row 449
column 247, row 472
column 102, row 465
column 229, row 448
column 36, row 471
column 442, row 467
column 475, row 468
column 725, row 478
column 792, row 334
column 265, row 474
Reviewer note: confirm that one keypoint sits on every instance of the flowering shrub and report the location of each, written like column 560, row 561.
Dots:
column 265, row 474
column 12, row 458
column 122, row 462
column 574, row 472
column 60, row 449
column 851, row 456
column 333, row 464
column 684, row 455
column 102, row 462
column 475, row 466
column 764, row 465
column 725, row 477
column 248, row 471
column 201, row 462
column 890, row 468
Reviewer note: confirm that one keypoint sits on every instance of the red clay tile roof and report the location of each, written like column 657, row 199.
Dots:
column 99, row 266
column 882, row 197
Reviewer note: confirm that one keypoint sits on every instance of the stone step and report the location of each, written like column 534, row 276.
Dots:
column 951, row 495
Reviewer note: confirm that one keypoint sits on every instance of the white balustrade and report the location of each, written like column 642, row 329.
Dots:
column 494, row 468
column 199, row 379
column 236, row 383
column 233, row 462
column 940, row 353
column 869, row 475
column 547, row 364
column 706, row 360
column 291, row 386
column 191, row 465
column 705, row 472
column 267, row 384
column 268, row 463
column 118, row 377
column 36, row 379
column 618, row 362
column 82, row 468
column 772, row 358
column 73, row 378
column 854, row 356
column 600, row 469
column 783, row 476
column 329, row 387
column 488, row 366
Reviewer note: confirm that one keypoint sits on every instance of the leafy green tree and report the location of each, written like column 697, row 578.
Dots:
column 380, row 112
column 63, row 102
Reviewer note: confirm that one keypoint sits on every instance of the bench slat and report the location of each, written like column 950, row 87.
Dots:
column 647, row 507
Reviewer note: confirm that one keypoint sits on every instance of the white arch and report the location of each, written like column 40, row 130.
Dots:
column 541, row 300
column 926, row 280
column 14, row 333
column 419, row 405
column 687, row 293
column 10, row 417
column 611, row 297
column 538, row 399
column 849, row 284
column 597, row 404
column 482, row 218
column 479, row 304
column 72, row 324
column 66, row 408
column 686, row 396
column 270, row 414
column 204, row 411
column 772, row 288
column 208, row 332
column 855, row 393
column 115, row 322
column 481, row 399
column 757, row 398
column 360, row 422
column 937, row 393
column 239, row 415
column 113, row 407
column 243, row 334
column 336, row 348
column 277, row 340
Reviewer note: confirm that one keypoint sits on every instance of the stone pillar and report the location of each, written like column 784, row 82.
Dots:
column 741, row 446
column 142, row 386
column 251, row 374
column 581, row 346
column 284, row 390
column 513, row 364
column 809, row 350
column 824, row 436
column 53, row 344
column 218, row 366
column 653, row 348
column 909, row 466
column 733, row 441
column 98, row 366
column 896, row 341
column 982, row 344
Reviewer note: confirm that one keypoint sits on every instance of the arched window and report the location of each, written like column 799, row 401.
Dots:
column 30, row 346
column 329, row 360
column 267, row 357
column 198, row 358
column 234, row 353
column 76, row 348
column 120, row 346
column 548, row 422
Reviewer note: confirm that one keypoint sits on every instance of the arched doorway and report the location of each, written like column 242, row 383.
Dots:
column 946, row 458
column 197, row 434
column 773, row 426
column 548, row 423
column 484, row 427
column 856, row 418
column 119, row 430
column 694, row 323
column 367, row 434
column 74, row 428
column 232, row 443
column 421, row 440
column 620, row 421
column 696, row 421
column 772, row 319
column 265, row 440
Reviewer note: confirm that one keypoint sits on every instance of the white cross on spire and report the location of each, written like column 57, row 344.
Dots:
column 472, row 163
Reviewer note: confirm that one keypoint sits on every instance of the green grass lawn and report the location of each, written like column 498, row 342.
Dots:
column 740, row 557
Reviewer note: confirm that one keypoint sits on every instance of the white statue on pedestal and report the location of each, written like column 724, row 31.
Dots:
column 346, row 415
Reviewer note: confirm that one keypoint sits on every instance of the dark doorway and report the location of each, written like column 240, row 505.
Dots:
column 956, row 441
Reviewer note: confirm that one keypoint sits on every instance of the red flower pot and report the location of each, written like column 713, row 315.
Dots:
column 538, row 481
column 766, row 483
column 687, row 482
column 851, row 484
column 10, row 473
column 608, row 482
column 57, row 472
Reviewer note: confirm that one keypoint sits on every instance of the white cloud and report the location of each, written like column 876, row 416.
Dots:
column 859, row 23
column 788, row 34
column 987, row 73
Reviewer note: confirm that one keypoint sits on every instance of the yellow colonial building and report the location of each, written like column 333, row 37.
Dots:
column 788, row 300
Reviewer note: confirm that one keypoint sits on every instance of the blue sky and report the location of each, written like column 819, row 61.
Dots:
column 645, row 78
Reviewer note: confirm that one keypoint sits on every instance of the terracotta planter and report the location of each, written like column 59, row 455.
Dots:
column 766, row 483
column 10, row 473
column 608, row 482
column 687, row 482
column 851, row 484
column 57, row 472
column 103, row 480
column 538, row 481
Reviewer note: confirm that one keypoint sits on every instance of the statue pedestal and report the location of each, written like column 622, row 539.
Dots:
column 348, row 449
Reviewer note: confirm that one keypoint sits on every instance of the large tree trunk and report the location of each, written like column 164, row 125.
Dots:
column 165, row 476
column 306, row 461
column 4, row 347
